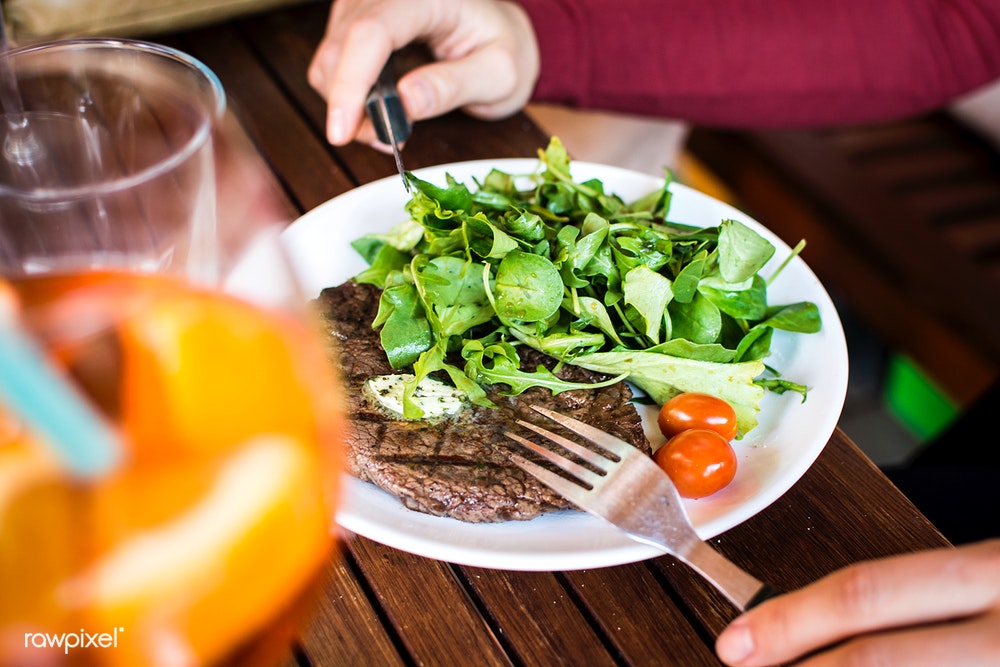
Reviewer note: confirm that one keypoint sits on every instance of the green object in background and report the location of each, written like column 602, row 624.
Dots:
column 915, row 401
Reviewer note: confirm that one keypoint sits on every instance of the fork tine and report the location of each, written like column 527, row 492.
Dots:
column 585, row 475
column 590, row 456
column 572, row 492
column 615, row 445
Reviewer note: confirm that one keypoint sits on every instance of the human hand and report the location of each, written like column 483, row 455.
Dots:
column 939, row 607
column 486, row 60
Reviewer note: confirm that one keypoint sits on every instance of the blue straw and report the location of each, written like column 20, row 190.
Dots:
column 52, row 408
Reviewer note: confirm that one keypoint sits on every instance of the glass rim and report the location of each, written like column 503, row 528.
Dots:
column 198, row 138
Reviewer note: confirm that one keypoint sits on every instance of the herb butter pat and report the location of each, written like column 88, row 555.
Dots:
column 436, row 399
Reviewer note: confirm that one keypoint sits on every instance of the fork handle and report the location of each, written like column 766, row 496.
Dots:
column 743, row 589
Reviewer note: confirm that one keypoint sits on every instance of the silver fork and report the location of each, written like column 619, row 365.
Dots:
column 634, row 494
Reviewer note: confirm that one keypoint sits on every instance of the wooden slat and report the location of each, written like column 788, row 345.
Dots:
column 540, row 622
column 977, row 236
column 950, row 203
column 345, row 629
column 433, row 616
column 286, row 42
column 634, row 609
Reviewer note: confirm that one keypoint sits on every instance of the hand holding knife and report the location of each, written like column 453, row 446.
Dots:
column 385, row 109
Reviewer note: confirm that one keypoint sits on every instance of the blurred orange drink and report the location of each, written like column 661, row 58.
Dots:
column 219, row 516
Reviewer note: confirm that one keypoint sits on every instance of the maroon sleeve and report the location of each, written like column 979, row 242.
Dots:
column 765, row 63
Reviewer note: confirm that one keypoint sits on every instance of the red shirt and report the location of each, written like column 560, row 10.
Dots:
column 765, row 63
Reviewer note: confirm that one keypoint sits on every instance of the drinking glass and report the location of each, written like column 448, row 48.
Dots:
column 127, row 213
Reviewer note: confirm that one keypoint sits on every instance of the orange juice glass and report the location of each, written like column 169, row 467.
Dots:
column 118, row 239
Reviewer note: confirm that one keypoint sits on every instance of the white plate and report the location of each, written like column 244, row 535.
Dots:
column 772, row 457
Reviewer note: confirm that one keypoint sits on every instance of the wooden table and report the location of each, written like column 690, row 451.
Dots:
column 381, row 606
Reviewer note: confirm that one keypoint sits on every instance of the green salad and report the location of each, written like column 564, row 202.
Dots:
column 579, row 274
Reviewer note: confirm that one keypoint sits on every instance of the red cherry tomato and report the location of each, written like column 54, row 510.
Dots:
column 696, row 410
column 698, row 461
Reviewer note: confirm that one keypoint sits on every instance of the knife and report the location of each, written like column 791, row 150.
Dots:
column 385, row 109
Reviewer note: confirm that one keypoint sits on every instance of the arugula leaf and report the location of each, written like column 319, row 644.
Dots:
column 742, row 251
column 384, row 260
column 405, row 332
column 592, row 312
column 499, row 363
column 486, row 239
column 744, row 301
column 649, row 293
column 663, row 376
column 801, row 317
column 453, row 295
column 527, row 288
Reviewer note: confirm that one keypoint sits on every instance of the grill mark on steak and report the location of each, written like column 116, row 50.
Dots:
column 456, row 467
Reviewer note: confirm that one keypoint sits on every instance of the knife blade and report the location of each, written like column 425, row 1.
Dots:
column 385, row 109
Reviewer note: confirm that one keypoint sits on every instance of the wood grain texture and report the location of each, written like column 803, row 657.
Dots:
column 535, row 617
column 426, row 607
column 345, row 628
column 641, row 616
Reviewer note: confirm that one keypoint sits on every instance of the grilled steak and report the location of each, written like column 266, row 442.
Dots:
column 456, row 467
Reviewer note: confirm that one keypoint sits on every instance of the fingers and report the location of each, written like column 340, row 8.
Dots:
column 486, row 50
column 971, row 642
column 482, row 83
column 908, row 590
column 488, row 65
column 346, row 86
column 360, row 37
column 359, row 29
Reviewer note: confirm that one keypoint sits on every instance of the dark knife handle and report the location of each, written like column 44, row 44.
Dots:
column 384, row 91
column 765, row 593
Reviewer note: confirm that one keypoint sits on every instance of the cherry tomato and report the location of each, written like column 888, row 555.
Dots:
column 698, row 461
column 696, row 410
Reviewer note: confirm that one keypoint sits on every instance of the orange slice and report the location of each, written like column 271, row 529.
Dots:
column 189, row 589
column 202, row 373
